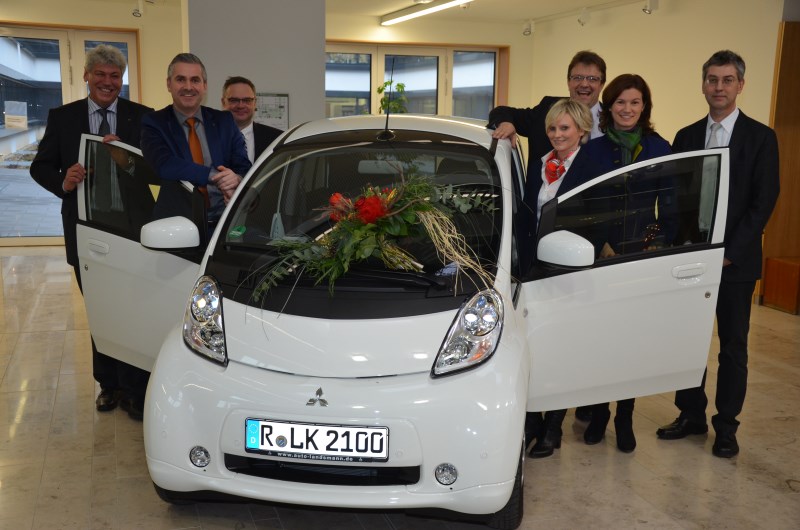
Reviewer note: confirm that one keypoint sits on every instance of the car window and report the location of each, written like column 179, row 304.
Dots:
column 120, row 189
column 660, row 206
column 289, row 198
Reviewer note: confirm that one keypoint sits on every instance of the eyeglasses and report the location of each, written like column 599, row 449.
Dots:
column 593, row 79
column 236, row 101
column 728, row 80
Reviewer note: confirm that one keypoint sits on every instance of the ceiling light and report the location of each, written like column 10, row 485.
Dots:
column 527, row 28
column 650, row 6
column 138, row 10
column 420, row 9
column 584, row 17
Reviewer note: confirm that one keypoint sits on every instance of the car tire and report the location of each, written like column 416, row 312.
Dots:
column 510, row 516
column 172, row 497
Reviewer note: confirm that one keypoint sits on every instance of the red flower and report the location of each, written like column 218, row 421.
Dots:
column 370, row 209
column 340, row 206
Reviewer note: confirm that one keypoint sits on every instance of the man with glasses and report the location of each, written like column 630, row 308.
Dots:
column 754, row 187
column 239, row 97
column 586, row 76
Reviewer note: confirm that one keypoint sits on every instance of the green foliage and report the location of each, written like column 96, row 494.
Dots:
column 397, row 103
column 369, row 226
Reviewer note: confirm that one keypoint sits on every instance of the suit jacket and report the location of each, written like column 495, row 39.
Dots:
column 166, row 149
column 263, row 135
column 754, row 188
column 528, row 122
column 58, row 150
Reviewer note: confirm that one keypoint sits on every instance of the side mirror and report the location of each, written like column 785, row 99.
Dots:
column 565, row 249
column 170, row 233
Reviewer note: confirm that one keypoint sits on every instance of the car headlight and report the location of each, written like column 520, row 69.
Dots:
column 203, row 330
column 473, row 336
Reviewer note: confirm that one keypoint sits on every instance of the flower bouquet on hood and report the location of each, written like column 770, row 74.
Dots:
column 371, row 225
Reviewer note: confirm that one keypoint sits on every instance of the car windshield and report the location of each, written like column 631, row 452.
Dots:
column 288, row 199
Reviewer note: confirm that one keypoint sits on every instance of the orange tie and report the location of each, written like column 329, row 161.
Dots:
column 197, row 153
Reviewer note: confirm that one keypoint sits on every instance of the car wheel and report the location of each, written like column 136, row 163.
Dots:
column 510, row 517
column 172, row 497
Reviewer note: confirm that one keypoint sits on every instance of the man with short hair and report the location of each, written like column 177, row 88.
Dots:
column 239, row 97
column 191, row 142
column 754, row 187
column 56, row 169
column 586, row 76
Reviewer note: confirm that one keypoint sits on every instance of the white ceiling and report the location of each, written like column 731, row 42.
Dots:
column 478, row 10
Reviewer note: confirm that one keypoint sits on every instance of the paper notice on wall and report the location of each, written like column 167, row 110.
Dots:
column 272, row 110
column 16, row 113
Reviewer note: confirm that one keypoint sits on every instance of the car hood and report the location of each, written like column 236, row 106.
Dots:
column 333, row 348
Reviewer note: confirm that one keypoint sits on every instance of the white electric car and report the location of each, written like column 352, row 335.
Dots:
column 394, row 389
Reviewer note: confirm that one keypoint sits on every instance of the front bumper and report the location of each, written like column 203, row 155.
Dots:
column 473, row 420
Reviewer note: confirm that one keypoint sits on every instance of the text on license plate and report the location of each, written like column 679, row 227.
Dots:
column 317, row 442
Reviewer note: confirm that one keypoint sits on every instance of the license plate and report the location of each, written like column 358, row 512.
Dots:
column 308, row 441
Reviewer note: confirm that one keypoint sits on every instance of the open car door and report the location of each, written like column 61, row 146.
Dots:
column 133, row 295
column 635, row 318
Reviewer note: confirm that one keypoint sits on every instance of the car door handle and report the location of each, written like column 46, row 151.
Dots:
column 689, row 271
column 97, row 246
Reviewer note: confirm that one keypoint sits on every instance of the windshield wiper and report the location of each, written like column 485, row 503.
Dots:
column 403, row 277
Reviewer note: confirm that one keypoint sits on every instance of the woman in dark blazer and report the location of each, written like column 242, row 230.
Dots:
column 568, row 125
column 629, row 137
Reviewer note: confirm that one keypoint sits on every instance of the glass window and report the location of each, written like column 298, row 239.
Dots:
column 655, row 207
column 348, row 78
column 419, row 74
column 289, row 198
column 473, row 83
column 436, row 80
column 120, row 189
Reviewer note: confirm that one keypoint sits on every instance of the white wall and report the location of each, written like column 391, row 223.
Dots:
column 277, row 44
column 668, row 49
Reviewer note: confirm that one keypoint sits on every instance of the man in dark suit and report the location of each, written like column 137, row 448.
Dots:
column 239, row 97
column 754, row 187
column 586, row 76
column 56, row 168
column 187, row 141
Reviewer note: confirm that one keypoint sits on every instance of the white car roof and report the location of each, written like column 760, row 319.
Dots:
column 467, row 128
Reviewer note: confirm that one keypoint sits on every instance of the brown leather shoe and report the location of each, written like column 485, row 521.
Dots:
column 681, row 428
column 107, row 400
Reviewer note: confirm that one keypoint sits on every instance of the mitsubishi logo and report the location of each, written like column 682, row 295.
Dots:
column 319, row 399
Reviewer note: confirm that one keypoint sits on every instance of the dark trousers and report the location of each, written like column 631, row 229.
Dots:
column 624, row 409
column 113, row 374
column 733, row 325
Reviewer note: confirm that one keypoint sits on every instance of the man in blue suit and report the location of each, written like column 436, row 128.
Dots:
column 191, row 142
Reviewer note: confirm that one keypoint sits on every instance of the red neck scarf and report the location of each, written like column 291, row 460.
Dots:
column 554, row 168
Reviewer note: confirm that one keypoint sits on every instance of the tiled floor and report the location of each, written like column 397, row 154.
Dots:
column 64, row 465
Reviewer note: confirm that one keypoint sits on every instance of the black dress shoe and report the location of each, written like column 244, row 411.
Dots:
column 681, row 428
column 134, row 408
column 107, row 400
column 584, row 413
column 725, row 446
